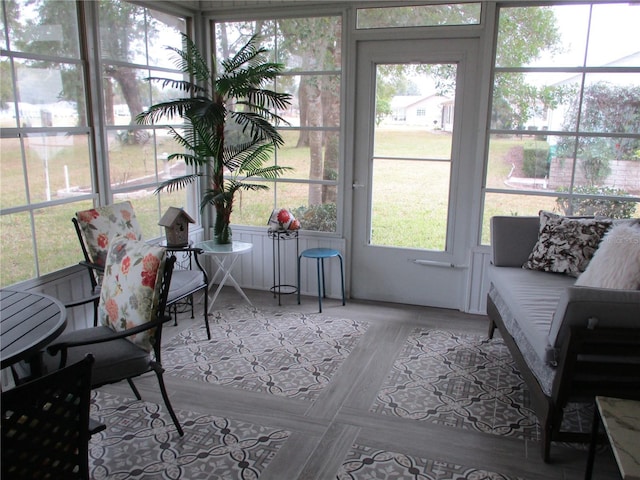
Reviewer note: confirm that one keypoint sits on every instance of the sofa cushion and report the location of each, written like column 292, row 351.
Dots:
column 616, row 263
column 566, row 245
column 592, row 308
column 532, row 297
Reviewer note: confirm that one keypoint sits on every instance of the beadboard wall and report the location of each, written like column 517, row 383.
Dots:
column 254, row 270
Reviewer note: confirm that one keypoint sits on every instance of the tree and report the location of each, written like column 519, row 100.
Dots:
column 524, row 34
column 128, row 24
column 604, row 107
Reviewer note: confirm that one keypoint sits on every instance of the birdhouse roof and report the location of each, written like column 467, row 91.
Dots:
column 172, row 215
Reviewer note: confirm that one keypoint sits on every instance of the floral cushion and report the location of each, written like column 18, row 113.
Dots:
column 566, row 245
column 131, row 287
column 100, row 224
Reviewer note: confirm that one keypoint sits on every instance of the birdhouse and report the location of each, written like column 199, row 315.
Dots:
column 176, row 226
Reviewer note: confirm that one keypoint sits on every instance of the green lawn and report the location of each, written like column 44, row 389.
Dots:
column 407, row 213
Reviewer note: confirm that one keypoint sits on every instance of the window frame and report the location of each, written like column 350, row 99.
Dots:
column 340, row 13
column 576, row 134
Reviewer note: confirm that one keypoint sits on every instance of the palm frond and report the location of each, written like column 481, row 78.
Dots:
column 253, row 187
column 190, row 61
column 177, row 183
column 189, row 159
column 172, row 108
column 271, row 172
column 249, row 53
column 268, row 98
column 234, row 156
column 263, row 111
column 257, row 127
column 182, row 85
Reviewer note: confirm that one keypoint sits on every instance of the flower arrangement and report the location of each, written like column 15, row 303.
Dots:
column 282, row 219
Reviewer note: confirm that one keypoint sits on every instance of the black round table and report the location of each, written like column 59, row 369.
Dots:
column 28, row 322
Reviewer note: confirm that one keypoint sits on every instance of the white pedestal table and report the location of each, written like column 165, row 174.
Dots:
column 225, row 257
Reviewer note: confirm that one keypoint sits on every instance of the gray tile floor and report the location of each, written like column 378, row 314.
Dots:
column 344, row 430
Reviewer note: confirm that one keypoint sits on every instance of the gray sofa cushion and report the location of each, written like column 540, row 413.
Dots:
column 512, row 239
column 533, row 298
column 592, row 307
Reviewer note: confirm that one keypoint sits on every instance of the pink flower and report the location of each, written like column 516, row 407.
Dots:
column 125, row 265
column 126, row 215
column 150, row 265
column 103, row 240
column 88, row 215
column 112, row 310
column 295, row 224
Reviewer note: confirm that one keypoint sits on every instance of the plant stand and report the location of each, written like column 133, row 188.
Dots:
column 277, row 236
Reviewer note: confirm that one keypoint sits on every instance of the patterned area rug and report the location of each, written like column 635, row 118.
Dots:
column 287, row 354
column 141, row 442
column 364, row 463
column 464, row 381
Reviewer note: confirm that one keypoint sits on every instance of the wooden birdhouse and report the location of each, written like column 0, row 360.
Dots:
column 176, row 226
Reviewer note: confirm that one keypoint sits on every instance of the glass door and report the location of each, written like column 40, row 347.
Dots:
column 414, row 161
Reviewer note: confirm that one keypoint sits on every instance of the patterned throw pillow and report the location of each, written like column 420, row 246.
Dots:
column 131, row 287
column 566, row 245
column 100, row 224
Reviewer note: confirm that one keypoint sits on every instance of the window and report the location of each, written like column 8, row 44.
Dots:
column 133, row 43
column 310, row 50
column 565, row 119
column 45, row 173
column 48, row 166
column 419, row 16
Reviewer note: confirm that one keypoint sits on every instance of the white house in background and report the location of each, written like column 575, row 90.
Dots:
column 434, row 111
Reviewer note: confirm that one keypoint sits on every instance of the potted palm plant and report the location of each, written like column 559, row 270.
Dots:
column 229, row 132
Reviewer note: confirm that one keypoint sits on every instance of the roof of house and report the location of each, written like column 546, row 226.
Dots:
column 172, row 214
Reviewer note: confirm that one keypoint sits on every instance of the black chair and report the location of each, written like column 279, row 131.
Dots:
column 46, row 425
column 95, row 228
column 131, row 312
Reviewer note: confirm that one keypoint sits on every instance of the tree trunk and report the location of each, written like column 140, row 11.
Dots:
column 303, row 138
column 331, row 114
column 314, row 117
column 128, row 82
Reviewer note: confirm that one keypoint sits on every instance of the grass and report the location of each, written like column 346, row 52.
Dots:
column 410, row 198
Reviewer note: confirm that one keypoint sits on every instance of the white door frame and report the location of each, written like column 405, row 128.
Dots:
column 413, row 276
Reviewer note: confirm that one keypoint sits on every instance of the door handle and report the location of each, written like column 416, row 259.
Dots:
column 357, row 185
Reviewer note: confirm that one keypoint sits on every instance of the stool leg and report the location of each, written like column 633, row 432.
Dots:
column 319, row 284
column 324, row 285
column 299, row 257
column 342, row 277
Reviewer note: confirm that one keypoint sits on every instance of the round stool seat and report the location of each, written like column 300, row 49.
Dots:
column 320, row 253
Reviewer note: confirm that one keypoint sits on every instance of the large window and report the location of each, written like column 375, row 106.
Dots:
column 133, row 43
column 52, row 150
column 310, row 49
column 45, row 173
column 565, row 121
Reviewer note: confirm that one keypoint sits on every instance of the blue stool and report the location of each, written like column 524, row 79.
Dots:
column 320, row 254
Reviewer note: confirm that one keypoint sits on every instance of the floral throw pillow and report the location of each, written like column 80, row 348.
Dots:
column 131, row 287
column 100, row 224
column 566, row 245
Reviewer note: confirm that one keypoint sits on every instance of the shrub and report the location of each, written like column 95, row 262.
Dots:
column 320, row 218
column 535, row 162
column 605, row 207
